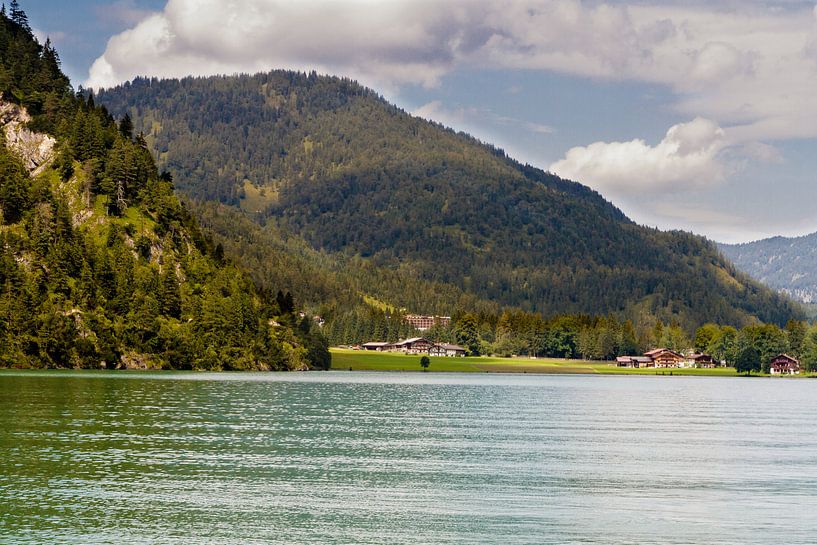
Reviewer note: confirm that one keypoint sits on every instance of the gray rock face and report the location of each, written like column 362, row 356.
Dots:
column 35, row 149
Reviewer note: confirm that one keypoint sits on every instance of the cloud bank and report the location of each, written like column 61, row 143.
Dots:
column 752, row 67
column 744, row 73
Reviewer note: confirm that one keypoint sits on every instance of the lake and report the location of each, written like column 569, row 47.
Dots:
column 421, row 458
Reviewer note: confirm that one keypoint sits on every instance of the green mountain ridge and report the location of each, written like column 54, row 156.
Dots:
column 101, row 266
column 329, row 166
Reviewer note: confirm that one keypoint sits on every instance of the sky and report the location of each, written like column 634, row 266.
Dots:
column 694, row 115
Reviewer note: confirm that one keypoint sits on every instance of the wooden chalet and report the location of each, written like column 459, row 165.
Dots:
column 633, row 361
column 447, row 350
column 416, row 345
column 701, row 361
column 783, row 364
column 379, row 347
column 663, row 357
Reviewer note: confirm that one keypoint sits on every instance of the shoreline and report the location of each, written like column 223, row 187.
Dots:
column 358, row 360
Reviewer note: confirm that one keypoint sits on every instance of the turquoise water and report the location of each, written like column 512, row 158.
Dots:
column 359, row 458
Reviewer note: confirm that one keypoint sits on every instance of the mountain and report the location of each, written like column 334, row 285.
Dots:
column 785, row 264
column 413, row 214
column 100, row 263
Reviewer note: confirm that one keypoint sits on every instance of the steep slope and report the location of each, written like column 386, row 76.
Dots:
column 785, row 264
column 100, row 264
column 329, row 162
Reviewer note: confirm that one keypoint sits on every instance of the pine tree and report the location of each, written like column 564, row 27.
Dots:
column 170, row 295
column 126, row 127
column 19, row 16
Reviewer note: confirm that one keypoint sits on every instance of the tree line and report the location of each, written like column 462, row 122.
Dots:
column 519, row 333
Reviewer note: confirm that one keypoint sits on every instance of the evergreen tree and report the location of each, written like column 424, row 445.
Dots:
column 19, row 16
column 170, row 294
column 126, row 127
column 467, row 335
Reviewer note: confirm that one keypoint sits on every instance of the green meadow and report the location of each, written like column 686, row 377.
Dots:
column 359, row 360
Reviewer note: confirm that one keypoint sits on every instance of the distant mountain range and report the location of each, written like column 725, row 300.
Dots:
column 343, row 190
column 785, row 264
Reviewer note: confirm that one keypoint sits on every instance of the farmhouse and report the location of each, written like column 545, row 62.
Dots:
column 416, row 345
column 447, row 350
column 379, row 347
column 634, row 361
column 663, row 357
column 783, row 364
column 701, row 361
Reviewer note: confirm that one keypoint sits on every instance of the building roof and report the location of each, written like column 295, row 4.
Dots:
column 658, row 351
column 786, row 357
column 375, row 344
column 700, row 356
column 410, row 341
column 451, row 347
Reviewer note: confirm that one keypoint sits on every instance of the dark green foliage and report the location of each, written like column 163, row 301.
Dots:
column 170, row 294
column 15, row 198
column 468, row 335
column 747, row 360
column 425, row 362
column 413, row 214
column 100, row 264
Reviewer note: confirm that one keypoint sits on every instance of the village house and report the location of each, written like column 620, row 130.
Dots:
column 783, row 364
column 634, row 361
column 663, row 357
column 701, row 361
column 447, row 350
column 417, row 345
column 379, row 347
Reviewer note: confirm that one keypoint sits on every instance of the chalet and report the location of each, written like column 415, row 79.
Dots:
column 634, row 361
column 701, row 361
column 663, row 357
column 447, row 350
column 416, row 345
column 783, row 364
column 379, row 347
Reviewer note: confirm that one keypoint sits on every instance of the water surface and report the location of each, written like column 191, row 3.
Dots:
column 405, row 458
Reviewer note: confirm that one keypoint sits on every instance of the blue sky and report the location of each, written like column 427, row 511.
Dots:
column 692, row 115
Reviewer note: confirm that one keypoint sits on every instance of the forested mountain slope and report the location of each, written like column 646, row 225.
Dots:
column 100, row 264
column 329, row 164
column 785, row 264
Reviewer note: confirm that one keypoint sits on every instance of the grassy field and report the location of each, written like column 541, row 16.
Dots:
column 358, row 360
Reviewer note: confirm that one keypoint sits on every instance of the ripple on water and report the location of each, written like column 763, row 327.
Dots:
column 399, row 458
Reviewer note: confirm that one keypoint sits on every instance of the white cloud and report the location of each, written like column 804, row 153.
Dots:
column 751, row 67
column 687, row 158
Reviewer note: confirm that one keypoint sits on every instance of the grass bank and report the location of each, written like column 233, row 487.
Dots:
column 358, row 360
